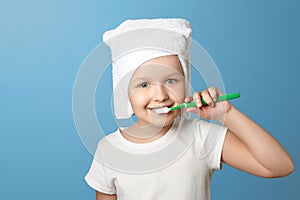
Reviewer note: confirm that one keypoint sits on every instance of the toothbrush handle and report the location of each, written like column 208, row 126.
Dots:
column 220, row 98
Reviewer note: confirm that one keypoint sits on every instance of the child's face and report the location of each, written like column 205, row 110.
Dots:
column 157, row 83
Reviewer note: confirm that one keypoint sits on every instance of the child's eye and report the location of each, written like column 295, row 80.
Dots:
column 144, row 85
column 171, row 81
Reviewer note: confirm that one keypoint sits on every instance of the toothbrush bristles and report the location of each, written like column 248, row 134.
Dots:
column 162, row 110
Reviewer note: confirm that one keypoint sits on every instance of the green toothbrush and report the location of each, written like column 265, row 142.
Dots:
column 193, row 104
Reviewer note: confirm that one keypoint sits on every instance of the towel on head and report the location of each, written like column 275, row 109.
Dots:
column 135, row 42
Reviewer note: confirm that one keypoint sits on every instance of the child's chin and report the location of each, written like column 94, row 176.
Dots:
column 162, row 121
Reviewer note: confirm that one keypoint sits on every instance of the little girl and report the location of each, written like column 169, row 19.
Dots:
column 169, row 156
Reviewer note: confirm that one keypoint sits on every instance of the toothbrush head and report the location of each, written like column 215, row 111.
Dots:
column 162, row 110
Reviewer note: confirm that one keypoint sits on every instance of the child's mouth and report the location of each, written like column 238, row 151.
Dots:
column 154, row 109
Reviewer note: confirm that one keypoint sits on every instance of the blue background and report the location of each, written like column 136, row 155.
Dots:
column 255, row 45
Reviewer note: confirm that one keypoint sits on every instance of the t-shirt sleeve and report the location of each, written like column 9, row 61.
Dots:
column 212, row 138
column 97, row 177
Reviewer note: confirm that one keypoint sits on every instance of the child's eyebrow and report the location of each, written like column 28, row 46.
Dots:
column 146, row 78
column 140, row 78
column 175, row 73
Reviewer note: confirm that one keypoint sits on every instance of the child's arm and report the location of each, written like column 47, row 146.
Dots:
column 252, row 149
column 103, row 196
column 247, row 146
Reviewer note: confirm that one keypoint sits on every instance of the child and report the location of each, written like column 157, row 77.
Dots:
column 168, row 156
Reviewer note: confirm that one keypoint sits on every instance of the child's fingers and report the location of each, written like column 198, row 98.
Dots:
column 213, row 93
column 207, row 97
column 188, row 99
column 197, row 99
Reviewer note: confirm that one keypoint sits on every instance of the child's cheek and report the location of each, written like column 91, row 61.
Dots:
column 179, row 94
column 137, row 99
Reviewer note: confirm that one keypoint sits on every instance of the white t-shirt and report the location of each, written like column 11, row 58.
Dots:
column 177, row 166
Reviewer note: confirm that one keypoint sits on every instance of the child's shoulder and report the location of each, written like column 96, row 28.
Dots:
column 110, row 136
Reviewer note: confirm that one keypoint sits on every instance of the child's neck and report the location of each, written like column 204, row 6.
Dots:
column 139, row 134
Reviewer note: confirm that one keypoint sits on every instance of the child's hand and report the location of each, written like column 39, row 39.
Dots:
column 214, row 110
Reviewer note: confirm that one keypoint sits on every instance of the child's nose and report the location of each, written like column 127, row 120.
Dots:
column 160, row 93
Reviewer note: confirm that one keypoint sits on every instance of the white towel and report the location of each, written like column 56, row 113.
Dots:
column 134, row 42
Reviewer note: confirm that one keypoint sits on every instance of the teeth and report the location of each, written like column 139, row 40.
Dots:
column 163, row 110
column 155, row 108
